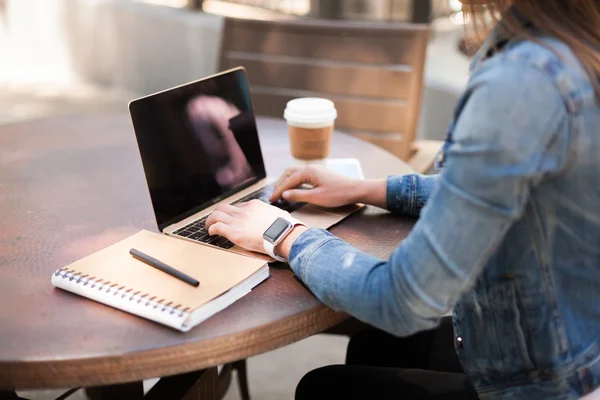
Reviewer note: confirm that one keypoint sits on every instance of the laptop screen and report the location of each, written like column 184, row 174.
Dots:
column 198, row 144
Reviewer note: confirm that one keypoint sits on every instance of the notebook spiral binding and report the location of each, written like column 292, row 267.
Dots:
column 109, row 287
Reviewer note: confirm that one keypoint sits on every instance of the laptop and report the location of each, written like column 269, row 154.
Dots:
column 199, row 147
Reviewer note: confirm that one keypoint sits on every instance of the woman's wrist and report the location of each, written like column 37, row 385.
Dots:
column 284, row 248
column 372, row 192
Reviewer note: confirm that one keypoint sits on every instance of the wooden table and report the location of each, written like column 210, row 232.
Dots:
column 72, row 185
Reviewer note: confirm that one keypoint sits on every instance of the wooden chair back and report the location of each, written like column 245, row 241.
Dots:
column 372, row 71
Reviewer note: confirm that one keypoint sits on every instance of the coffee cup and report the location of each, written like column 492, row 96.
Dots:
column 310, row 127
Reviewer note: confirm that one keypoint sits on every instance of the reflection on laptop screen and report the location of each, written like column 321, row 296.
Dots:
column 198, row 144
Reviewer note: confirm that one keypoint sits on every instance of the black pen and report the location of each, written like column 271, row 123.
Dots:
column 153, row 262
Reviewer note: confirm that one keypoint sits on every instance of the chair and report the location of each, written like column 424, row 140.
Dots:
column 372, row 71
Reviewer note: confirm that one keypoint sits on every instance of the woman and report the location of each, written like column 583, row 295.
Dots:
column 508, row 232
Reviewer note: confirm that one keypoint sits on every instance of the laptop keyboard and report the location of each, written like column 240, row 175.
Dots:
column 197, row 229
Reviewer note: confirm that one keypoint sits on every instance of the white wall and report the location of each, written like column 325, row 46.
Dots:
column 117, row 43
column 32, row 44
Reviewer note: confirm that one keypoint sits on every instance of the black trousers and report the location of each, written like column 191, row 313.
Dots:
column 382, row 366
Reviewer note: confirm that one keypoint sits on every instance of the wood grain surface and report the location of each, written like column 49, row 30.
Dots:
column 72, row 185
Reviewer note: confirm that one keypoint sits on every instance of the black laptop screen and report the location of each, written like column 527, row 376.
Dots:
column 198, row 144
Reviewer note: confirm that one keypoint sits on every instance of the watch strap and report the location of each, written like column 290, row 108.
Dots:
column 270, row 250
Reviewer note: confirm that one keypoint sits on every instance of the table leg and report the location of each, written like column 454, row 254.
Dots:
column 197, row 385
column 206, row 387
column 126, row 391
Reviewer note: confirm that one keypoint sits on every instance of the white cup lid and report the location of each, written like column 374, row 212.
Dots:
column 311, row 111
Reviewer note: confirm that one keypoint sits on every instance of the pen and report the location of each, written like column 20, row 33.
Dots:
column 153, row 262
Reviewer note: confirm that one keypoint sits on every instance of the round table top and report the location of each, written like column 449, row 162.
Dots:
column 71, row 185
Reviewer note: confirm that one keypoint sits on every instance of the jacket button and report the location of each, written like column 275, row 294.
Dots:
column 459, row 342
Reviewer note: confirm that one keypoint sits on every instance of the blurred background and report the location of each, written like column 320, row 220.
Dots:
column 61, row 56
column 87, row 56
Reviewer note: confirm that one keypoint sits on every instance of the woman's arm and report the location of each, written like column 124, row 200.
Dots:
column 512, row 116
column 399, row 194
column 405, row 194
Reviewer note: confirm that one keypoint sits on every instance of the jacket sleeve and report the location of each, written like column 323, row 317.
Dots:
column 408, row 194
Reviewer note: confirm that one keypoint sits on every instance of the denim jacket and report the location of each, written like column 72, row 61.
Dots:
column 508, row 237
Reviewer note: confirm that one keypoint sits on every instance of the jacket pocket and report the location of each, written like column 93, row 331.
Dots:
column 495, row 334
column 512, row 328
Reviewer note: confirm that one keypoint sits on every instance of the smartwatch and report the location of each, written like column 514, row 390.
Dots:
column 276, row 233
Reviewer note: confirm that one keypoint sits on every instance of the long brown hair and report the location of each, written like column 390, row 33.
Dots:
column 574, row 22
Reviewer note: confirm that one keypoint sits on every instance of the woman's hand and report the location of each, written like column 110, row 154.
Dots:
column 328, row 189
column 245, row 223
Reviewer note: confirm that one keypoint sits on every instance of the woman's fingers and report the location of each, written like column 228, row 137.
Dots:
column 219, row 216
column 223, row 213
column 291, row 182
column 300, row 195
column 219, row 222
column 222, row 229
column 286, row 174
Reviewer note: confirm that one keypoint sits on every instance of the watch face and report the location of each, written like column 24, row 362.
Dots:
column 274, row 232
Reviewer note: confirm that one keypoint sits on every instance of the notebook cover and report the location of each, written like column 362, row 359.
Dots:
column 112, row 276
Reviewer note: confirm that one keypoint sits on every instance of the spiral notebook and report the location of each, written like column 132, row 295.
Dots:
column 113, row 277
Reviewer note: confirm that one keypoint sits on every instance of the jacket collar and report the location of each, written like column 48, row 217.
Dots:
column 500, row 36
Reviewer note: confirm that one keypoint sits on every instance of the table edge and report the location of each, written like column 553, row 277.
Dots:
column 171, row 360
